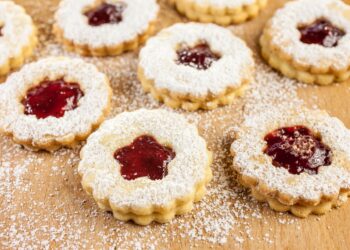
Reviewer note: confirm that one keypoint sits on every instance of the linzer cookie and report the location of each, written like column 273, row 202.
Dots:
column 54, row 102
column 309, row 41
column 297, row 161
column 102, row 28
column 18, row 36
column 146, row 165
column 195, row 66
column 223, row 12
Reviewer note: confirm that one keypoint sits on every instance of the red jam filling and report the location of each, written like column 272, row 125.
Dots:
column 106, row 13
column 321, row 32
column 144, row 157
column 298, row 150
column 200, row 56
column 52, row 98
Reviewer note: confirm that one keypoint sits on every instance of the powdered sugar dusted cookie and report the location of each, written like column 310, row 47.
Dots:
column 195, row 66
column 146, row 165
column 102, row 28
column 297, row 161
column 310, row 41
column 54, row 102
column 223, row 12
column 17, row 36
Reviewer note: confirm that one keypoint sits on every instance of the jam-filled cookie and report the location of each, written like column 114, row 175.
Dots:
column 223, row 12
column 146, row 165
column 195, row 66
column 18, row 36
column 297, row 161
column 102, row 28
column 54, row 102
column 310, row 41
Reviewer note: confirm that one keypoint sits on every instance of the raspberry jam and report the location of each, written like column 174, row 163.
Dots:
column 144, row 157
column 297, row 149
column 321, row 32
column 106, row 13
column 52, row 98
column 200, row 56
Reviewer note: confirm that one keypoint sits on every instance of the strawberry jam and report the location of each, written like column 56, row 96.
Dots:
column 106, row 13
column 200, row 56
column 144, row 157
column 321, row 32
column 298, row 150
column 52, row 98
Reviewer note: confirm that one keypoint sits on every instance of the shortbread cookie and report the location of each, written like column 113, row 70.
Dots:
column 195, row 66
column 54, row 102
column 297, row 161
column 17, row 36
column 310, row 41
column 146, row 165
column 103, row 28
column 223, row 12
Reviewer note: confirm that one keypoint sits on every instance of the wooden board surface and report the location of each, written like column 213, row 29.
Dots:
column 43, row 206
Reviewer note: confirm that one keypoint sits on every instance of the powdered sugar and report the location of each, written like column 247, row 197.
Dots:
column 185, row 171
column 64, row 216
column 284, row 33
column 16, row 29
column 136, row 18
column 56, row 213
column 158, row 60
column 250, row 160
column 75, row 122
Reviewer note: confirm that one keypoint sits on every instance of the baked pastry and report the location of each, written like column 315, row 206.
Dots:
column 104, row 28
column 54, row 102
column 146, row 165
column 195, row 66
column 223, row 12
column 309, row 41
column 18, row 36
column 297, row 161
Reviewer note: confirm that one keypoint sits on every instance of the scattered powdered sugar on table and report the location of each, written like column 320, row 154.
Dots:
column 42, row 204
column 59, row 211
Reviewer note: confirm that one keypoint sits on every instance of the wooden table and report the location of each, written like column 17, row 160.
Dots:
column 42, row 204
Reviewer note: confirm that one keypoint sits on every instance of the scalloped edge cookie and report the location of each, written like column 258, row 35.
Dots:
column 222, row 15
column 143, row 200
column 15, row 59
column 186, row 87
column 53, row 133
column 276, row 186
column 288, row 55
column 101, row 49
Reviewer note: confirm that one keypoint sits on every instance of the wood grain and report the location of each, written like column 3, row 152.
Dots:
column 53, row 197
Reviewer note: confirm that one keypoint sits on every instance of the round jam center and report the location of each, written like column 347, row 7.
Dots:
column 106, row 13
column 200, row 56
column 144, row 157
column 321, row 32
column 297, row 149
column 52, row 98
